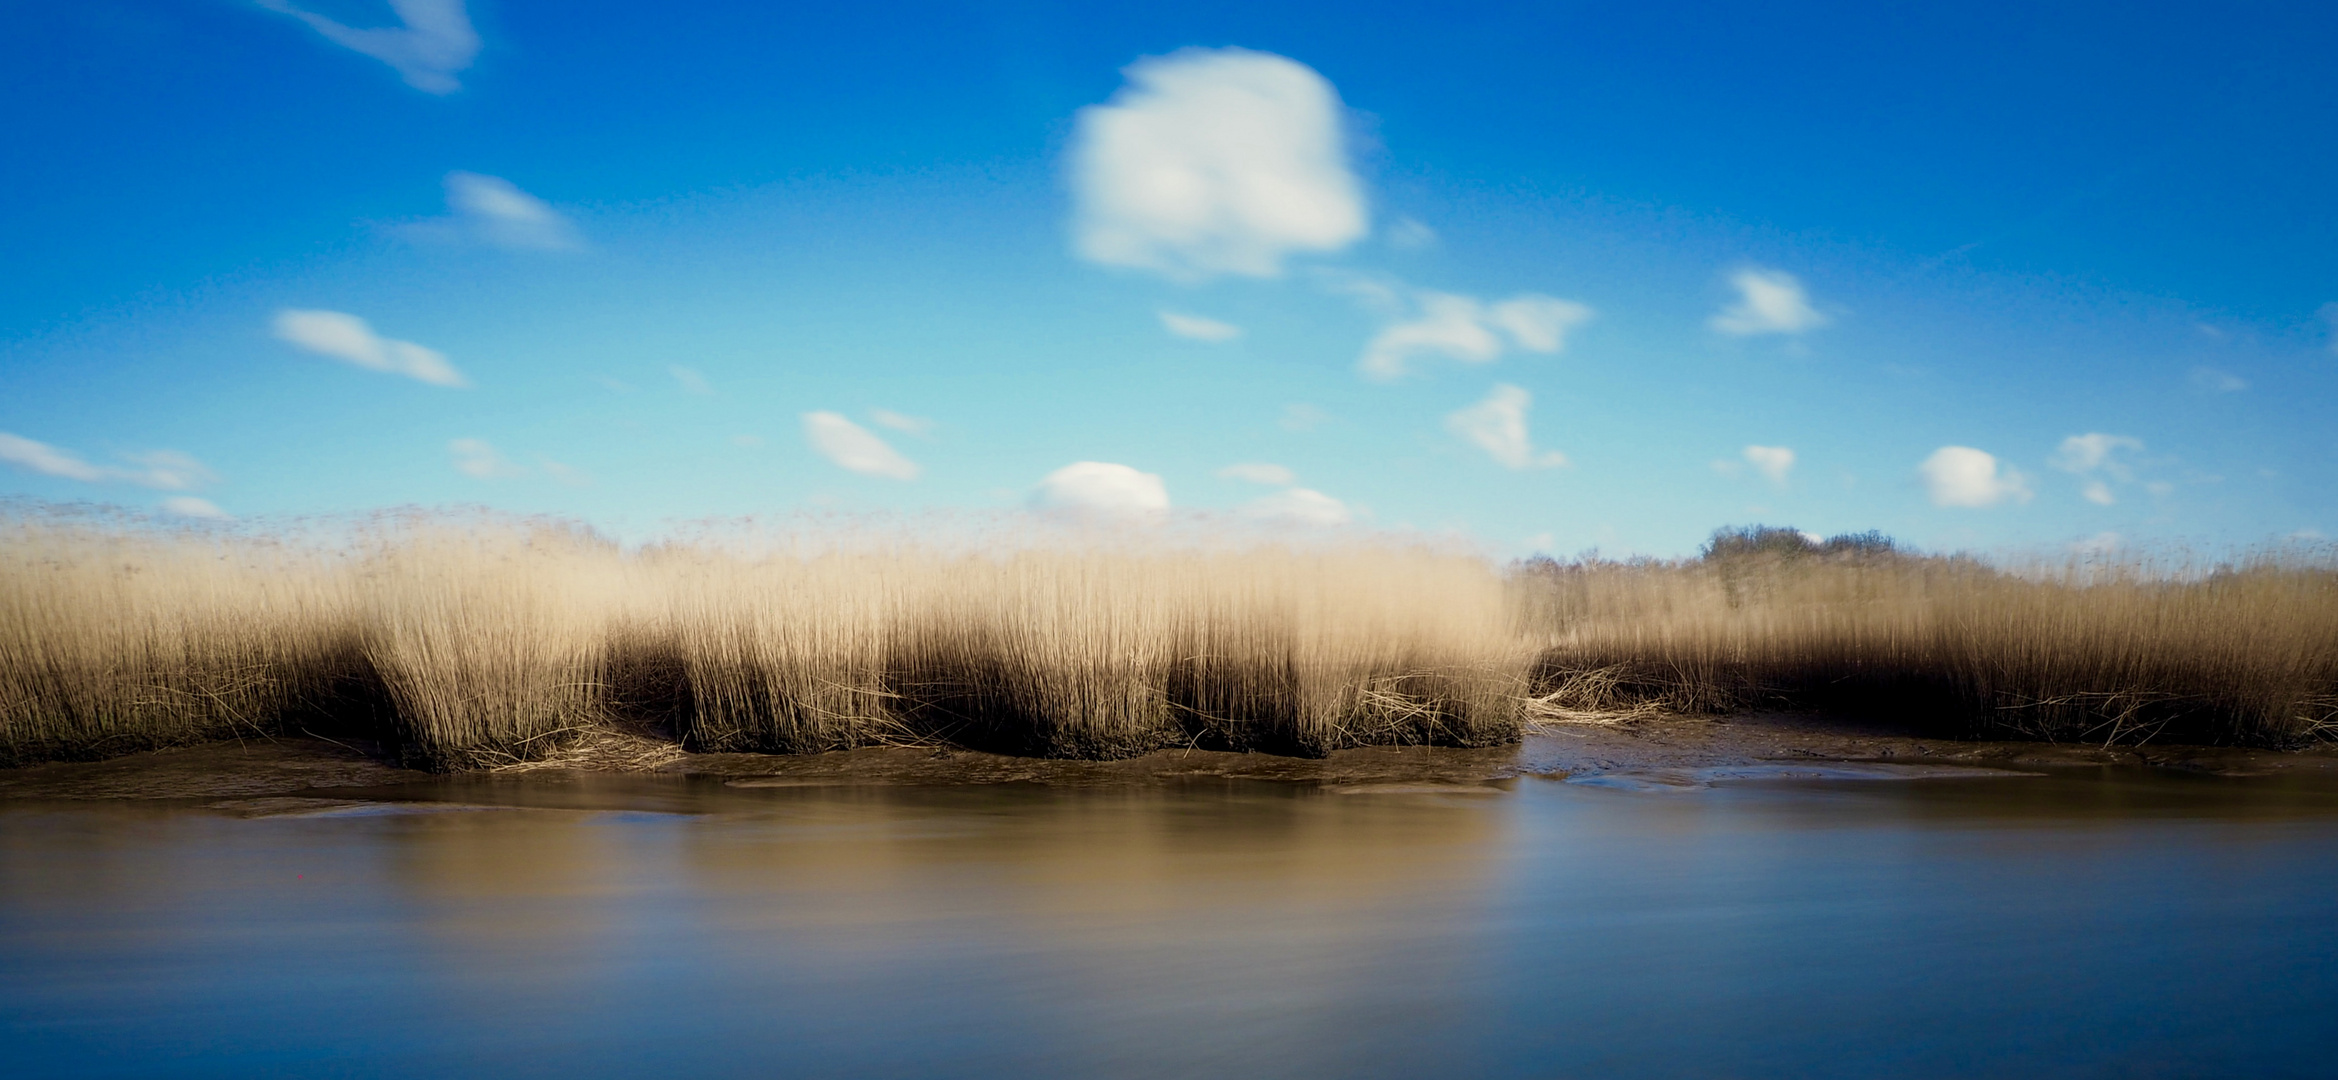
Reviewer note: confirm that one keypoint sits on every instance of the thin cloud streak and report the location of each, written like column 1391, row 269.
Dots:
column 352, row 340
column 432, row 42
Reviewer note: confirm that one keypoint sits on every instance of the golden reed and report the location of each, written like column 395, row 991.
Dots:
column 466, row 642
column 470, row 642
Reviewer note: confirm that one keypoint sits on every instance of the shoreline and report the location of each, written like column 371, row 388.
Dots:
column 1643, row 753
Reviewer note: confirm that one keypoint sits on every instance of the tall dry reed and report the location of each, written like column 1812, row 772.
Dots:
column 471, row 642
column 2086, row 650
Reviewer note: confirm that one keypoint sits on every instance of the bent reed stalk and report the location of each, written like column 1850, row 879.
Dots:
column 469, row 643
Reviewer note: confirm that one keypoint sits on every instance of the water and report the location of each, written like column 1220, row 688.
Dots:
column 2114, row 923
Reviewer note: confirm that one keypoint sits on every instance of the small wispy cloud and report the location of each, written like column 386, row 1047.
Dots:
column 854, row 447
column 1409, row 234
column 191, row 507
column 1466, row 329
column 901, row 422
column 1302, row 417
column 568, row 475
column 2218, row 381
column 692, row 380
column 1102, row 487
column 1300, row 506
column 167, row 470
column 1964, row 477
column 2099, row 545
column 1214, row 161
column 1199, row 328
column 480, row 459
column 1258, row 473
column 1768, row 302
column 1773, row 462
column 1497, row 425
column 432, row 42
column 351, row 340
column 2095, row 459
column 492, row 210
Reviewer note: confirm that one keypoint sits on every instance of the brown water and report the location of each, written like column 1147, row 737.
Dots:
column 2095, row 923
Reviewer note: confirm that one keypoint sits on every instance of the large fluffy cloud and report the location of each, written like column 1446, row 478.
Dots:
column 1102, row 487
column 1471, row 331
column 432, row 42
column 349, row 339
column 1497, row 425
column 1768, row 302
column 168, row 470
column 854, row 447
column 1214, row 161
column 1963, row 476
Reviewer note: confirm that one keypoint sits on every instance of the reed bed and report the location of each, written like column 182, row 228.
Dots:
column 2243, row 652
column 473, row 642
column 463, row 643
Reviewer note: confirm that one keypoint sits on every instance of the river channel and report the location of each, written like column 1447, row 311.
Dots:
column 2115, row 921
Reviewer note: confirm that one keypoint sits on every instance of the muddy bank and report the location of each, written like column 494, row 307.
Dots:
column 1653, row 752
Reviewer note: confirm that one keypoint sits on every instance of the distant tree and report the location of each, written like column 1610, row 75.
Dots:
column 1785, row 541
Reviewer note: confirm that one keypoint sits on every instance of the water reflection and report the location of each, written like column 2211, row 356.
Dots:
column 2062, row 924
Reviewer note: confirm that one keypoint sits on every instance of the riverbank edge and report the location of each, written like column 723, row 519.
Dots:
column 1665, row 750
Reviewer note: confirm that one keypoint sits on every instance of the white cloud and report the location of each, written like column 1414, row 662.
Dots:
column 909, row 425
column 1102, row 487
column 1199, row 328
column 1462, row 328
column 168, row 470
column 476, row 458
column 493, row 210
column 1498, row 426
column 190, row 506
column 1300, row 506
column 569, row 475
column 1768, row 302
column 1302, row 417
column 1539, row 323
column 1258, row 473
column 1963, row 476
column 2095, row 452
column 1409, row 234
column 433, row 41
column 1771, row 461
column 854, row 447
column 350, row 339
column 2100, row 544
column 691, row 379
column 1214, row 161
column 2218, row 381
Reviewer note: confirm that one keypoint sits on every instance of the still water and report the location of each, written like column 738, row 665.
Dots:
column 2098, row 923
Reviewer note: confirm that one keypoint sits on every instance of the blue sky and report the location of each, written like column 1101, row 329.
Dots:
column 1554, row 277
